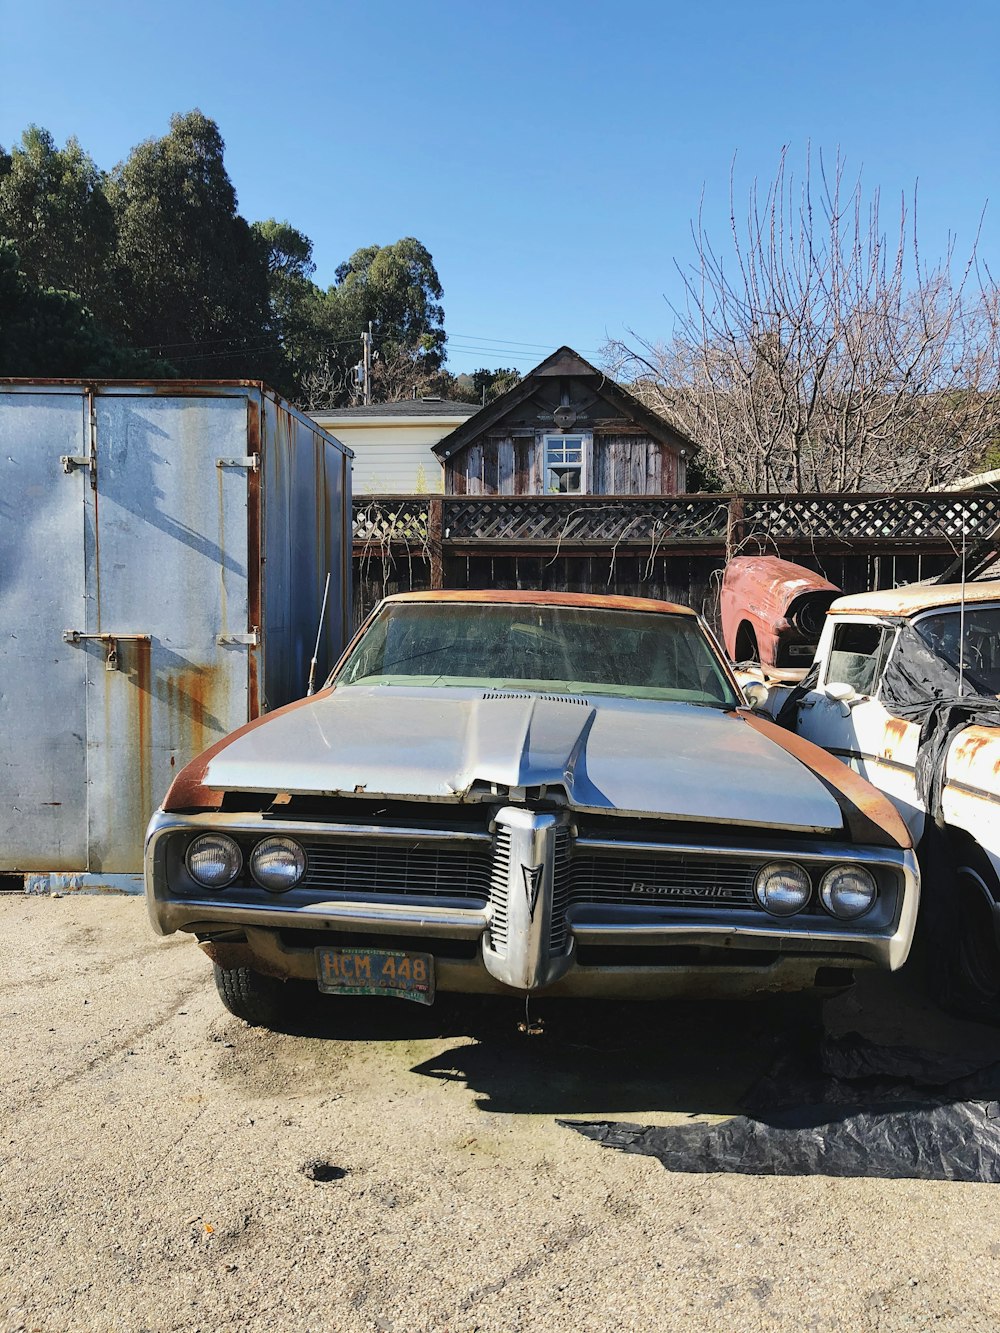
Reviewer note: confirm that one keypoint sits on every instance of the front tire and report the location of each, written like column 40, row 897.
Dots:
column 257, row 999
column 965, row 964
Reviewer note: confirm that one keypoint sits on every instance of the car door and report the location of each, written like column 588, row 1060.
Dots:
column 845, row 715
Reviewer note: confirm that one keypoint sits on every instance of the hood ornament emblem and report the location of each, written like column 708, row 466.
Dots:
column 532, row 886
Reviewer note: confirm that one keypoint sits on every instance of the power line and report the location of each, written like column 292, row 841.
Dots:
column 495, row 343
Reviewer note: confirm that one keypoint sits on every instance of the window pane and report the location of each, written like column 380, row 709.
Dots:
column 978, row 646
column 857, row 656
column 564, row 480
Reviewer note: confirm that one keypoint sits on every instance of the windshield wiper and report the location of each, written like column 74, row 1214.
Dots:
column 441, row 648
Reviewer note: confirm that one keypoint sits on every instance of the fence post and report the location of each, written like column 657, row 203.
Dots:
column 434, row 540
column 734, row 525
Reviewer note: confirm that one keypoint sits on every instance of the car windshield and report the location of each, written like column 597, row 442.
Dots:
column 543, row 648
column 975, row 639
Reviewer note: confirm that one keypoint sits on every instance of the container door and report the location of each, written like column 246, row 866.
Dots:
column 169, row 675
column 43, row 687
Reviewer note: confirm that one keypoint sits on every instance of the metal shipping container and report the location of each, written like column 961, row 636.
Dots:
column 164, row 548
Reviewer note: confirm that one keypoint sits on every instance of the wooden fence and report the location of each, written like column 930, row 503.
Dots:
column 656, row 546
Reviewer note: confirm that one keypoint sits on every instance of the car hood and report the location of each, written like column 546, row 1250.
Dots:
column 672, row 760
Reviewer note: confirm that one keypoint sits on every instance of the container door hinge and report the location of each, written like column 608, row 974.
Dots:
column 249, row 461
column 251, row 640
column 70, row 462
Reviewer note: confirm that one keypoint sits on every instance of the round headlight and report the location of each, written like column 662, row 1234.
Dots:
column 848, row 891
column 782, row 888
column 214, row 860
column 277, row 864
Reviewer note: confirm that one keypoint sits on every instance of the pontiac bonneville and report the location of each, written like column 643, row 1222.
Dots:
column 528, row 793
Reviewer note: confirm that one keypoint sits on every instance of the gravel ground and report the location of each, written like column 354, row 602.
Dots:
column 152, row 1151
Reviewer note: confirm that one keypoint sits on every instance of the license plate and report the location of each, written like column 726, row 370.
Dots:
column 408, row 976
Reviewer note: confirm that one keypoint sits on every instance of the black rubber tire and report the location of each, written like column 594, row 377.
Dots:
column 257, row 999
column 965, row 956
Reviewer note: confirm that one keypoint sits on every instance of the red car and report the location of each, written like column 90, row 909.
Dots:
column 772, row 611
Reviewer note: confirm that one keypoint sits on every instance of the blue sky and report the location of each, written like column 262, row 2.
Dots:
column 550, row 155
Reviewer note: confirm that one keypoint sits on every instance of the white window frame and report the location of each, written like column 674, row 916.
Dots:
column 561, row 438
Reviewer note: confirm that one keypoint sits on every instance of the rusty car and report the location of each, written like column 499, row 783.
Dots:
column 528, row 793
column 772, row 612
column 905, row 689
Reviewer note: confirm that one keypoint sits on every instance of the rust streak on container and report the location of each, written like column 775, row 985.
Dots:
column 143, row 653
column 255, row 573
column 191, row 701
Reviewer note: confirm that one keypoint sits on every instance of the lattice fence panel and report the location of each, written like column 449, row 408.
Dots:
column 390, row 518
column 589, row 521
column 872, row 517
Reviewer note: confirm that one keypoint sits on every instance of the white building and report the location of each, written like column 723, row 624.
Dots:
column 393, row 442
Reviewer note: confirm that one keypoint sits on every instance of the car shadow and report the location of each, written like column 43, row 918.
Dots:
column 875, row 1082
column 575, row 1057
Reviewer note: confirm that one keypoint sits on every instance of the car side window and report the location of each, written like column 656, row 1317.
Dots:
column 857, row 656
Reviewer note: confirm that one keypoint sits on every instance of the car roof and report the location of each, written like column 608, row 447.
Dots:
column 915, row 598
column 536, row 597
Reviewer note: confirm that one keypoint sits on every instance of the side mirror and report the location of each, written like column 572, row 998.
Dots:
column 756, row 694
column 839, row 692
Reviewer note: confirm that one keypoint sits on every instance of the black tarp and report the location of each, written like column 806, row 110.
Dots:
column 920, row 685
column 852, row 1108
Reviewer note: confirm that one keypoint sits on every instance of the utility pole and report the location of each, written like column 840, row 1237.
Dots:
column 366, row 363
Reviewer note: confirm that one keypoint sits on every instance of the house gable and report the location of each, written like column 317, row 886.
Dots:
column 623, row 447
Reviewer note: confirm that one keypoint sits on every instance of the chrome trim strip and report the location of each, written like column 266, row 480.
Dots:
column 383, row 919
column 791, row 850
column 261, row 825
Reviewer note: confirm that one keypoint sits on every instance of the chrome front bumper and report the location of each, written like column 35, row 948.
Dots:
column 515, row 930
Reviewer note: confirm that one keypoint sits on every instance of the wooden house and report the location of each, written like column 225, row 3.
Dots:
column 565, row 429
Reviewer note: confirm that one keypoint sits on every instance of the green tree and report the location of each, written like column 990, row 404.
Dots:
column 397, row 288
column 194, row 276
column 44, row 332
column 54, row 209
column 483, row 385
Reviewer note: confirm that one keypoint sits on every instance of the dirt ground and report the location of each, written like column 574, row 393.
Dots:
column 152, row 1151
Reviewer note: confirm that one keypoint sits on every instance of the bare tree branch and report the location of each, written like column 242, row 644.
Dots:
column 821, row 356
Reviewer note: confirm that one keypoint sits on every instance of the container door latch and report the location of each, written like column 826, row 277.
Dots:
column 112, row 661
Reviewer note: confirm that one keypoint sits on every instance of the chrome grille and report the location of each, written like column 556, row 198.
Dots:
column 662, row 879
column 561, row 881
column 499, row 881
column 410, row 870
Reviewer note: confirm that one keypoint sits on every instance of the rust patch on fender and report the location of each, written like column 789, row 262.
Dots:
column 895, row 730
column 188, row 791
column 894, row 734
column 970, row 743
column 870, row 817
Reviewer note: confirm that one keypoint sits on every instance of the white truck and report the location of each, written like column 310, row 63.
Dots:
column 905, row 688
